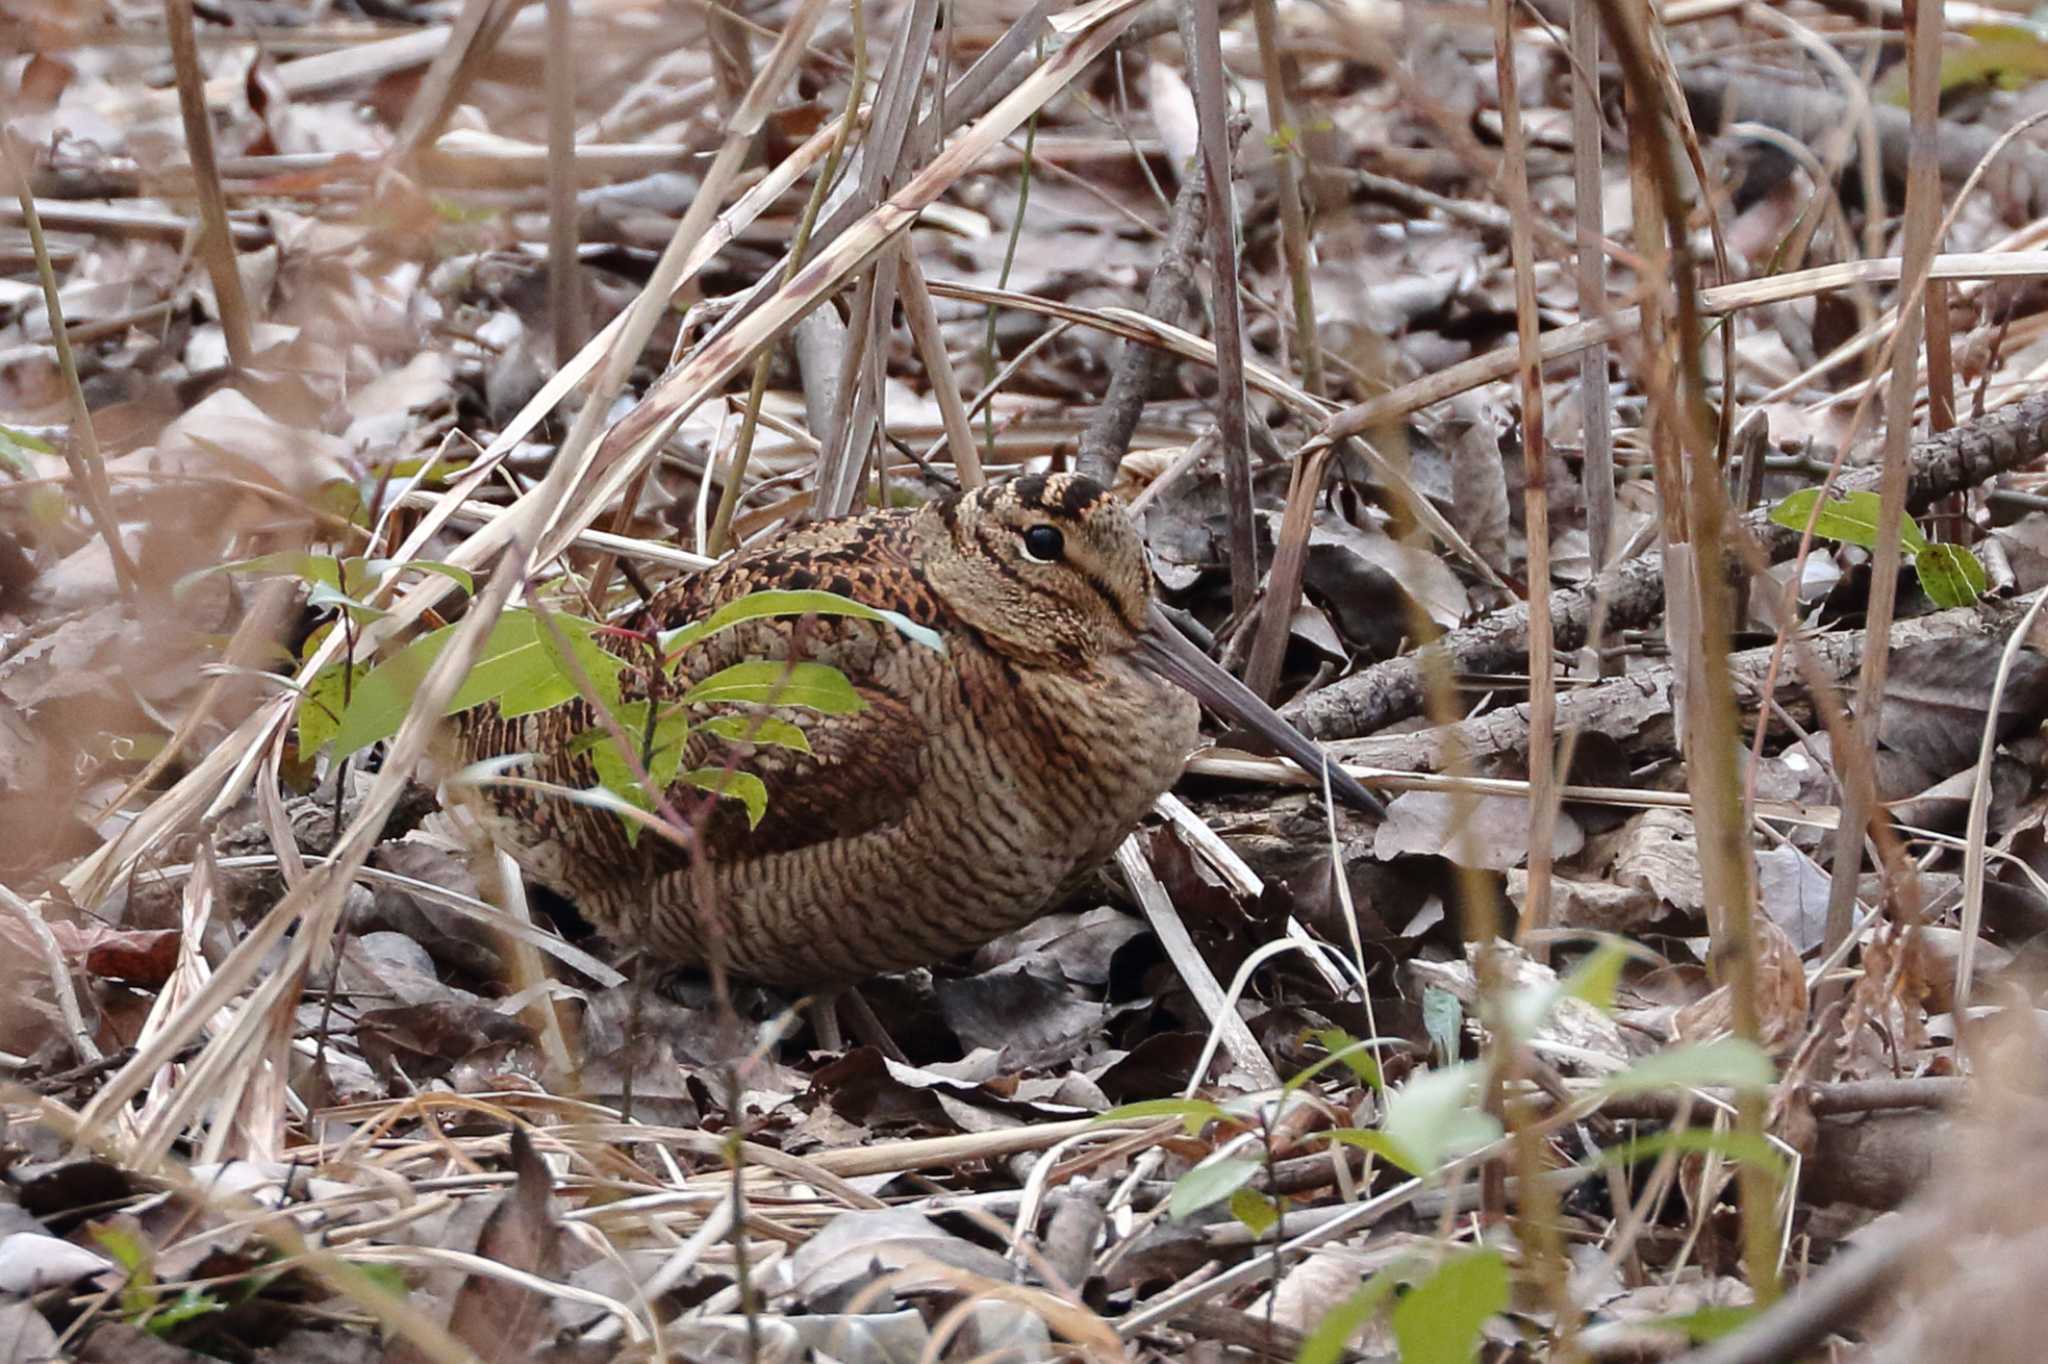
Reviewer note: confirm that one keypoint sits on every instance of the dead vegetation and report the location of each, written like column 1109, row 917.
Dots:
column 1473, row 373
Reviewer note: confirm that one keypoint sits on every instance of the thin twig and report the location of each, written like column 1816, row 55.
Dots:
column 82, row 451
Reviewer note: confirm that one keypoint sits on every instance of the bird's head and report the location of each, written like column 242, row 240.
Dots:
column 1047, row 567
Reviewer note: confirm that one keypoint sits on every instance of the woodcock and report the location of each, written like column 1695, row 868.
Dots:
column 977, row 783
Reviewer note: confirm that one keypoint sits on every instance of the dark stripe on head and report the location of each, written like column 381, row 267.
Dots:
column 1116, row 607
column 1030, row 491
column 1078, row 494
column 991, row 542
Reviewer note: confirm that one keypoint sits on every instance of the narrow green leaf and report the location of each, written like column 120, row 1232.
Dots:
column 1529, row 1007
column 1594, row 979
column 1364, row 1065
column 323, row 596
column 1332, row 1336
column 1443, row 1018
column 1259, row 1213
column 811, row 685
column 1708, row 1323
column 1950, row 575
column 663, row 757
column 189, row 1304
column 1194, row 1114
column 1730, row 1144
column 313, row 569
column 10, row 437
column 758, row 605
column 1851, row 518
column 1439, row 1320
column 373, row 570
column 1379, row 1144
column 758, row 729
column 1724, row 1061
column 744, row 787
column 515, row 663
column 1209, row 1183
column 1356, row 1056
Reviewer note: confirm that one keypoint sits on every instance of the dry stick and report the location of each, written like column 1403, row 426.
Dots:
column 1923, row 213
column 1290, row 554
column 2002, row 440
column 1596, row 421
column 1640, row 706
column 923, row 320
column 635, row 437
column 995, row 75
column 216, row 243
column 1277, row 68
column 475, row 32
column 1170, row 297
column 1808, row 114
column 1290, row 561
column 1839, row 1292
column 1202, row 35
column 1535, row 498
column 82, row 450
column 565, row 282
column 887, row 154
column 1677, row 410
column 736, row 469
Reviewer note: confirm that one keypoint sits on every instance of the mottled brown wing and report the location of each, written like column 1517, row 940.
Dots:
column 862, row 768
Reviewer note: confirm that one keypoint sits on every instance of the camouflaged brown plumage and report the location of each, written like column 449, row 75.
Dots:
column 977, row 781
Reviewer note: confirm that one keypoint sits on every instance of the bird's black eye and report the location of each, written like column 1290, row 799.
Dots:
column 1044, row 543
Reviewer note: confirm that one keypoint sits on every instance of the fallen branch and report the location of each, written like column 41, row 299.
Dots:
column 1637, row 708
column 1634, row 591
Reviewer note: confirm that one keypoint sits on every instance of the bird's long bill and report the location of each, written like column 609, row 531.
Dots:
column 1166, row 651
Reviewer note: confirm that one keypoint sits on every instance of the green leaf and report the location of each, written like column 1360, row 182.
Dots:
column 1194, row 1114
column 1592, row 982
column 518, row 666
column 1724, row 1061
column 1443, row 1018
column 320, row 710
column 1354, row 1055
column 814, row 686
column 361, row 612
column 1439, row 1320
column 1259, row 1213
column 1379, row 1144
column 663, row 756
column 759, row 605
column 744, row 787
column 1435, row 1117
column 373, row 570
column 1950, row 575
column 15, row 446
column 314, row 569
column 1328, row 1342
column 1851, row 518
column 1732, row 1145
column 122, row 1247
column 1209, row 1183
column 1708, row 1323
column 758, row 729
column 189, row 1304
